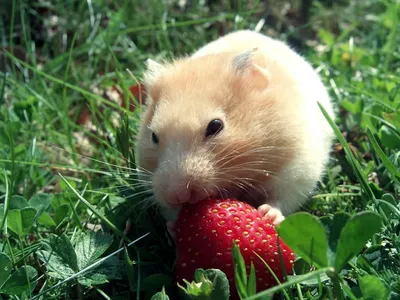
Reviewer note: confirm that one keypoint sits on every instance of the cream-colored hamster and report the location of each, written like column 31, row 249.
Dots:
column 239, row 118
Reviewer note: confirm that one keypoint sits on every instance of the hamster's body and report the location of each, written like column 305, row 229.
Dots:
column 271, row 144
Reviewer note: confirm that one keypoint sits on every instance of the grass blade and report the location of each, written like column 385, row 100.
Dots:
column 6, row 206
column 95, row 211
column 295, row 280
column 349, row 156
column 68, row 85
column 252, row 283
column 388, row 164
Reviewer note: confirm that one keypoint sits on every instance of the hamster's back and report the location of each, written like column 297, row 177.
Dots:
column 275, row 53
column 314, row 133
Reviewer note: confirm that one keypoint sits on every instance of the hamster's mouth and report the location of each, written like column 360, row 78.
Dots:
column 254, row 196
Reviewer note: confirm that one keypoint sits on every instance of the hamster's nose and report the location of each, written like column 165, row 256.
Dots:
column 185, row 195
column 187, row 191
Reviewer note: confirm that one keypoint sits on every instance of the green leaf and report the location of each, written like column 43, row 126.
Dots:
column 155, row 281
column 46, row 220
column 306, row 236
column 92, row 278
column 41, row 203
column 60, row 259
column 333, row 230
column 108, row 269
column 240, row 271
column 353, row 107
column 355, row 234
column 21, row 221
column 252, row 284
column 22, row 281
column 90, row 247
column 301, row 266
column 60, row 213
column 62, row 262
column 390, row 205
column 5, row 268
column 312, row 282
column 373, row 288
column 389, row 137
column 18, row 202
column 327, row 37
column 160, row 295
column 129, row 270
column 388, row 164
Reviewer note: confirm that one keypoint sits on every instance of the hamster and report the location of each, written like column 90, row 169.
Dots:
column 238, row 118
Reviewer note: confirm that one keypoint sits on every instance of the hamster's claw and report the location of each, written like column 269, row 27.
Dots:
column 271, row 213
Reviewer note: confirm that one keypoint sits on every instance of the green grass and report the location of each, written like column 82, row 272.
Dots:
column 59, row 62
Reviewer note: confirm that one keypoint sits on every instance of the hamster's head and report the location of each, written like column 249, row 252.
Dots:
column 211, row 127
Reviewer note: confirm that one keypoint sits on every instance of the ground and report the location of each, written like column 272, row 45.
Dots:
column 69, row 109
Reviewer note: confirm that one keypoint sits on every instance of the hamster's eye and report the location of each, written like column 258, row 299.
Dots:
column 214, row 127
column 154, row 137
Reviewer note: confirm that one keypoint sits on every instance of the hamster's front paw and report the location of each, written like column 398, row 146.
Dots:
column 271, row 213
column 171, row 228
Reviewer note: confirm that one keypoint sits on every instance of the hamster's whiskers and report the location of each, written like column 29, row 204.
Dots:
column 232, row 156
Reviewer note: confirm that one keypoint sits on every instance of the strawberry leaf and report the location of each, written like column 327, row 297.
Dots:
column 306, row 235
column 63, row 261
column 60, row 259
column 354, row 235
column 108, row 269
column 90, row 247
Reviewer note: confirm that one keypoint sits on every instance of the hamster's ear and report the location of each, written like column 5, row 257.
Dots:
column 245, row 66
column 243, row 61
column 153, row 70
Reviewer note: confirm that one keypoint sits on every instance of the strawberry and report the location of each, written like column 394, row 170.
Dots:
column 204, row 235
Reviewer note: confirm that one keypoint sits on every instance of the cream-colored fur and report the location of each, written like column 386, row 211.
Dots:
column 275, row 142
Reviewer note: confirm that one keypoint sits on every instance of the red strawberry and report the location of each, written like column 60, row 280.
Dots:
column 204, row 234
